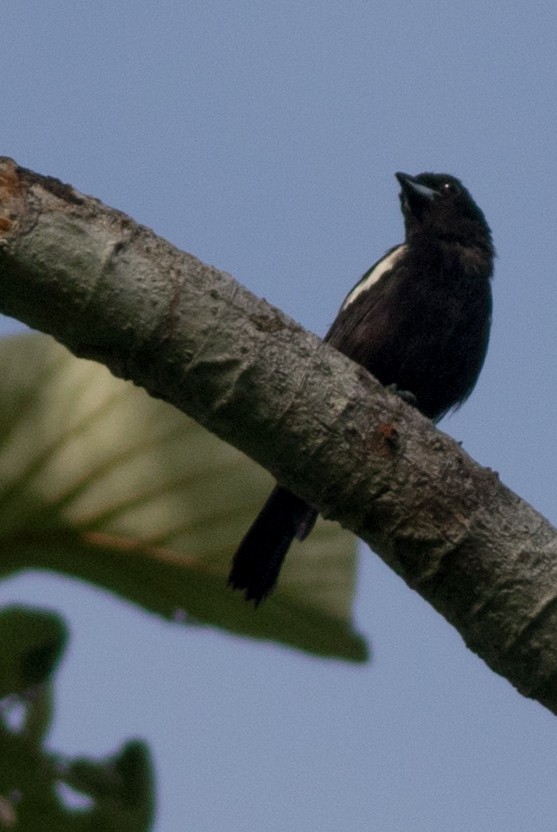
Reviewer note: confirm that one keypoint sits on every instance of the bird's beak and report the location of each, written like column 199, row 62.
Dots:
column 412, row 189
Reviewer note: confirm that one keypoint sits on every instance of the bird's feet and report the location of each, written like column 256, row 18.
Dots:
column 406, row 395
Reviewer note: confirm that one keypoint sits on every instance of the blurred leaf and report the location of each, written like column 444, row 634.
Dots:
column 114, row 793
column 120, row 786
column 31, row 644
column 102, row 482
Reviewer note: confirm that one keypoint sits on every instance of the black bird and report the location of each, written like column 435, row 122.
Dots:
column 418, row 320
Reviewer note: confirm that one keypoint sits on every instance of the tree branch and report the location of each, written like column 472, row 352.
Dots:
column 111, row 290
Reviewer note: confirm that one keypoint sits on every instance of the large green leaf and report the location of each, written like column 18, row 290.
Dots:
column 102, row 482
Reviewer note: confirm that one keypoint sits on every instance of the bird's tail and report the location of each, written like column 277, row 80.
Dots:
column 258, row 560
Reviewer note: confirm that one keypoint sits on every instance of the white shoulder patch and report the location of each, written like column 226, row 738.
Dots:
column 371, row 277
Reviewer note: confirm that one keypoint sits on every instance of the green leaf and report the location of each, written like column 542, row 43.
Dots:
column 118, row 791
column 31, row 645
column 102, row 482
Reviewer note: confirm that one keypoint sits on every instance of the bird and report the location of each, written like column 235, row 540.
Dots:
column 419, row 321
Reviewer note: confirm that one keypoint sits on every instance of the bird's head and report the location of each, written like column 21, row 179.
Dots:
column 438, row 205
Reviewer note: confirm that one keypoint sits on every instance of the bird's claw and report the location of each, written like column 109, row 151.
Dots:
column 406, row 395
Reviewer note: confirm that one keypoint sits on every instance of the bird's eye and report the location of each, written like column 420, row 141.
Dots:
column 449, row 188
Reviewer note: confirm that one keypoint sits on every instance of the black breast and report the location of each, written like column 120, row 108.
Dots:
column 424, row 325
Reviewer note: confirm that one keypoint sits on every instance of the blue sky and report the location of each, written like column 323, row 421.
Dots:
column 263, row 138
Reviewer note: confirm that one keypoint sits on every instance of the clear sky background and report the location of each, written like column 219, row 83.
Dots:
column 263, row 138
